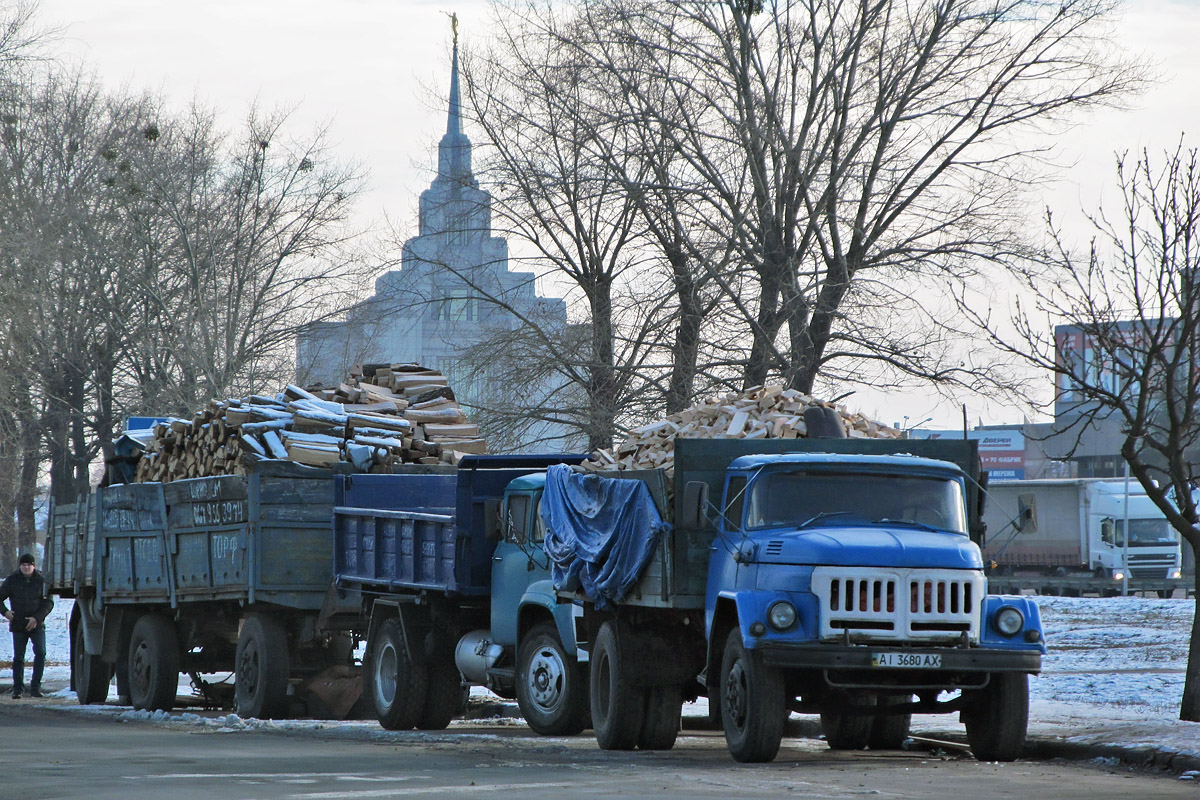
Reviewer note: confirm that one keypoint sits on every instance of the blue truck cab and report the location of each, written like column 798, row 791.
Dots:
column 852, row 583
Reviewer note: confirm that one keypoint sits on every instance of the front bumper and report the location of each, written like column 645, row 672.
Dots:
column 858, row 657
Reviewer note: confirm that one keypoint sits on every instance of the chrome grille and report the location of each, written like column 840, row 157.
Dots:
column 899, row 604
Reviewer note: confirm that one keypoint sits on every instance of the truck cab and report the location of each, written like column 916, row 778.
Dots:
column 851, row 583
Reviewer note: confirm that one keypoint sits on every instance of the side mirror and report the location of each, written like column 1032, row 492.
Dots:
column 1108, row 531
column 695, row 501
column 1027, row 513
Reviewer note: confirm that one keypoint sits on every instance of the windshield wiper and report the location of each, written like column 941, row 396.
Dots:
column 821, row 516
column 912, row 523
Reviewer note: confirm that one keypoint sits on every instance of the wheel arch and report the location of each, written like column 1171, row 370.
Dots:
column 725, row 619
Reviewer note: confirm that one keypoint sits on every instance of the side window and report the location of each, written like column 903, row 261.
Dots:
column 517, row 518
column 539, row 525
column 735, row 495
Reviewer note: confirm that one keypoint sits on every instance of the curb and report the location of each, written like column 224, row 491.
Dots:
column 1161, row 758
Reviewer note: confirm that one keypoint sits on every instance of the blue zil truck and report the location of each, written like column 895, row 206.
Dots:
column 449, row 577
column 839, row 577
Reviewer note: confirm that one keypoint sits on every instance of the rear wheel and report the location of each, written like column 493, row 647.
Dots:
column 753, row 700
column 889, row 732
column 551, row 686
column 618, row 707
column 261, row 678
column 154, row 660
column 90, row 676
column 398, row 683
column 660, row 725
column 443, row 694
column 998, row 716
column 845, row 730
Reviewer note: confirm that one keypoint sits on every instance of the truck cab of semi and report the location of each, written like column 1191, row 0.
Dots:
column 847, row 584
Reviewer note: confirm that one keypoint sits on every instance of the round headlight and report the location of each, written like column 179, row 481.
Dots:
column 1009, row 621
column 781, row 615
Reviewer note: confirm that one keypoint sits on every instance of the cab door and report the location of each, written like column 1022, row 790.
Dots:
column 518, row 561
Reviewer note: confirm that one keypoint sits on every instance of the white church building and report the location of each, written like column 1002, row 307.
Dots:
column 454, row 289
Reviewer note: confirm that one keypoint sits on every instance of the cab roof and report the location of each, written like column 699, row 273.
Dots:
column 901, row 461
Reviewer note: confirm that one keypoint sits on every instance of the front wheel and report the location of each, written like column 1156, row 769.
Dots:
column 398, row 681
column 997, row 718
column 154, row 661
column 261, row 677
column 753, row 697
column 551, row 686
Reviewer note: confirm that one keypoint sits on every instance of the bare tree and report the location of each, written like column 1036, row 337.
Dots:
column 544, row 122
column 832, row 167
column 1132, row 302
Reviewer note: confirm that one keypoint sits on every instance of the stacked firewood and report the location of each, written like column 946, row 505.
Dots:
column 763, row 412
column 382, row 416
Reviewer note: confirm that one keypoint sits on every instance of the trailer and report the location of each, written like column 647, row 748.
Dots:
column 1075, row 528
column 226, row 574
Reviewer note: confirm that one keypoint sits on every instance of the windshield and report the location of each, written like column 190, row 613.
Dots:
column 793, row 499
column 1145, row 533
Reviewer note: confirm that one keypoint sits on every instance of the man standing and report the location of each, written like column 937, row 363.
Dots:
column 25, row 590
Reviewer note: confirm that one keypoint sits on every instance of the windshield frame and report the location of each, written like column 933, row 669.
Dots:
column 837, row 517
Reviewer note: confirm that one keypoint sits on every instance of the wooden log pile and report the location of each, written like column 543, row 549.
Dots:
column 763, row 412
column 381, row 416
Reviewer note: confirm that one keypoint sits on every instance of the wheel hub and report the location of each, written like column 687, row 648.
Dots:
column 385, row 674
column 546, row 678
column 735, row 694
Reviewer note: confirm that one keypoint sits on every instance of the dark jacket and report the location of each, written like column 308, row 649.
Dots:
column 28, row 598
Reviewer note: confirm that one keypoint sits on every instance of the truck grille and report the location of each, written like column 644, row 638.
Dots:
column 898, row 604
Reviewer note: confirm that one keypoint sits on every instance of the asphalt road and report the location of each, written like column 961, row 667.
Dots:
column 50, row 751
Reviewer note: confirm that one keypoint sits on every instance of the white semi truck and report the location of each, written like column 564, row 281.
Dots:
column 1076, row 527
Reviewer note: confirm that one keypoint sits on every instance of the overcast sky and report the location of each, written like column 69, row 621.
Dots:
column 368, row 68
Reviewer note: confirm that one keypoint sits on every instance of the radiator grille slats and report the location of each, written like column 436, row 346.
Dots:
column 899, row 605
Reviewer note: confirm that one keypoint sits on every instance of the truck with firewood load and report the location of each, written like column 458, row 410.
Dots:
column 839, row 577
column 449, row 577
column 226, row 574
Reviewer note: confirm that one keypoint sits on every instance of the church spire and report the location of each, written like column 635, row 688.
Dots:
column 454, row 150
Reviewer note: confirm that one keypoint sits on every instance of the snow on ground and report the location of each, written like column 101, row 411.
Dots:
column 1114, row 675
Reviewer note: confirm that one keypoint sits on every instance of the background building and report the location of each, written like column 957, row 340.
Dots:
column 453, row 290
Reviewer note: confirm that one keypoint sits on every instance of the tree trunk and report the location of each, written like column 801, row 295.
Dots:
column 602, row 388
column 1189, row 707
column 26, row 505
column 685, row 348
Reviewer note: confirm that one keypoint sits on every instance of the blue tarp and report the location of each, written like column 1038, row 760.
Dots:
column 600, row 532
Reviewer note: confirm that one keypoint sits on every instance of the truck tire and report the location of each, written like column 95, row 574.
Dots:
column 618, row 707
column 551, row 686
column 660, row 724
column 443, row 694
column 261, row 669
column 847, row 731
column 398, row 683
column 753, row 698
column 90, row 676
column 998, row 716
column 154, row 661
column 889, row 732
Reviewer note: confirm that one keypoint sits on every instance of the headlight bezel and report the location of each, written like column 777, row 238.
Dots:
column 781, row 615
column 1008, row 621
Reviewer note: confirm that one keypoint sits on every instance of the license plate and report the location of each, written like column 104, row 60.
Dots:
column 907, row 660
